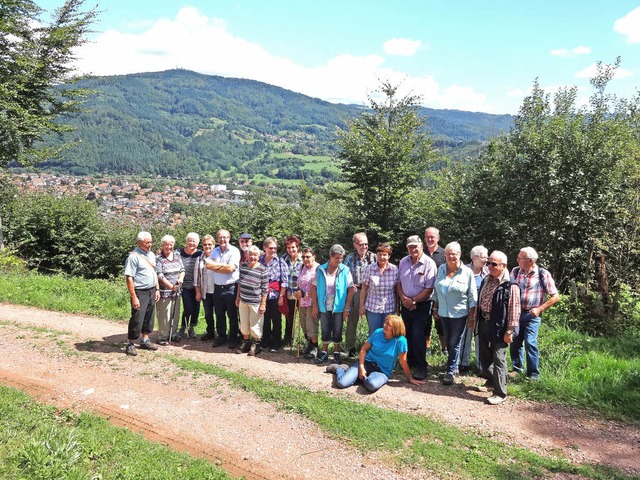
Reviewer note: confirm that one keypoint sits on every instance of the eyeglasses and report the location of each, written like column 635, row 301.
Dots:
column 494, row 264
column 306, row 256
column 207, row 244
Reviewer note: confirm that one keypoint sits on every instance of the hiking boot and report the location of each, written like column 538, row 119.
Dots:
column 131, row 350
column 448, row 379
column 218, row 342
column 322, row 357
column 233, row 343
column 313, row 353
column 254, row 350
column 336, row 357
column 207, row 336
column 147, row 345
column 163, row 342
column 420, row 373
column 245, row 347
column 307, row 349
column 333, row 367
column 495, row 400
column 192, row 333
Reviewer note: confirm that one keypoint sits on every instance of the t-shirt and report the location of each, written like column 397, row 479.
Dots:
column 385, row 352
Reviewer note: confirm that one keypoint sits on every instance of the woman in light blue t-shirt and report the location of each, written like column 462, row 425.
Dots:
column 378, row 357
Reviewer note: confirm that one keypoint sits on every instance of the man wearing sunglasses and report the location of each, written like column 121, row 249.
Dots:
column 497, row 320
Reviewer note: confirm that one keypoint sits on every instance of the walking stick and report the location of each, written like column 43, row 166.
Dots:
column 299, row 327
column 293, row 326
column 176, row 306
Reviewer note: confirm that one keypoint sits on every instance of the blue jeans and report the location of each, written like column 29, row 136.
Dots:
column 528, row 334
column 375, row 320
column 373, row 380
column 331, row 323
column 453, row 328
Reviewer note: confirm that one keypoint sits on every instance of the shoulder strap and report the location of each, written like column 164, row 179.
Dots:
column 145, row 259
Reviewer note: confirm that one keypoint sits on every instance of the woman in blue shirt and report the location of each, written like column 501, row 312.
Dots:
column 378, row 358
column 455, row 301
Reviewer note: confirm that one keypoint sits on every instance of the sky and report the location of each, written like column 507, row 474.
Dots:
column 473, row 55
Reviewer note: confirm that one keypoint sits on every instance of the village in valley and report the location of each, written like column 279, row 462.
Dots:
column 135, row 200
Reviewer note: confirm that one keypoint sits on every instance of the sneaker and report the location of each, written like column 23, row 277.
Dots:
column 333, row 367
column 307, row 349
column 218, row 342
column 207, row 336
column 420, row 373
column 322, row 357
column 488, row 386
column 254, row 350
column 495, row 400
column 273, row 349
column 131, row 350
column 448, row 379
column 336, row 357
column 313, row 353
column 163, row 342
column 192, row 333
column 245, row 347
column 177, row 338
column 147, row 345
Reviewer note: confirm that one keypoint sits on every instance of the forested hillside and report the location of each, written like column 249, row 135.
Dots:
column 181, row 123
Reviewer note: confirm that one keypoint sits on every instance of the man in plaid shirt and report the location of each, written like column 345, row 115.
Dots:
column 536, row 284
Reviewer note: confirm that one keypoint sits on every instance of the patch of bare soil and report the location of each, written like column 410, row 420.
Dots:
column 82, row 366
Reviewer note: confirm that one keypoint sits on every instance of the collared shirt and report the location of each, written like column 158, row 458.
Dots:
column 231, row 256
column 486, row 301
column 532, row 291
column 305, row 282
column 140, row 266
column 278, row 272
column 414, row 278
column 479, row 276
column 437, row 256
column 455, row 295
column 293, row 269
column 357, row 265
column 169, row 270
column 381, row 294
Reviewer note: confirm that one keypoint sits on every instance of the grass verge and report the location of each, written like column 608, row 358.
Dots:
column 412, row 440
column 40, row 442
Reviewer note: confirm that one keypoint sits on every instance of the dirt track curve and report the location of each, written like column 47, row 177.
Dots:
column 77, row 362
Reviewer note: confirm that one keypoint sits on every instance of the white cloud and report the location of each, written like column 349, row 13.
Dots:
column 402, row 47
column 592, row 70
column 563, row 52
column 203, row 44
column 629, row 25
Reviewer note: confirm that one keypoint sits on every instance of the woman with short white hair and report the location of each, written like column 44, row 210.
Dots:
column 171, row 273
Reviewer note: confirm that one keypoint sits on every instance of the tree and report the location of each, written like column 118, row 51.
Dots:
column 34, row 58
column 386, row 156
column 565, row 180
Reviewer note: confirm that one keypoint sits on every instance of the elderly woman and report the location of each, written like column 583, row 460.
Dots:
column 278, row 282
column 251, row 300
column 455, row 301
column 191, row 307
column 378, row 298
column 204, row 286
column 305, row 301
column 171, row 274
column 378, row 357
column 478, row 266
column 294, row 263
column 334, row 291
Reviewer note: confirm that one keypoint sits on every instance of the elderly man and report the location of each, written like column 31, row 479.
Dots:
column 357, row 262
column 416, row 278
column 436, row 253
column 535, row 285
column 244, row 242
column 497, row 321
column 142, row 283
column 225, row 264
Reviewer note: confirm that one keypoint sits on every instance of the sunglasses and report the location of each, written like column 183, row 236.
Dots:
column 494, row 264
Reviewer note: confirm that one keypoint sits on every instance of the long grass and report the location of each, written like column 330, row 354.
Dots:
column 40, row 442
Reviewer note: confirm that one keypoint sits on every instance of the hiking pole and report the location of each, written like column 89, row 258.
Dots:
column 176, row 306
column 293, row 326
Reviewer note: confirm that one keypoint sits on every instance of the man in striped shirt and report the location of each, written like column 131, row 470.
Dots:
column 535, row 285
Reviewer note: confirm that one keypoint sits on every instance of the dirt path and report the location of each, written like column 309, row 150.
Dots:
column 82, row 366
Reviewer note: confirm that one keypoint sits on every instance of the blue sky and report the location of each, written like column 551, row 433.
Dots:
column 470, row 55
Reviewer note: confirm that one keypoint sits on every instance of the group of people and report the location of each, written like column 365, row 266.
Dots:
column 246, row 291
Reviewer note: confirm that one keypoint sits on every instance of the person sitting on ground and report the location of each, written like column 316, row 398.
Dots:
column 378, row 358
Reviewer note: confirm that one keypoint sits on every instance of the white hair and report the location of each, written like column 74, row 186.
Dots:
column 143, row 236
column 452, row 246
column 193, row 236
column 167, row 239
column 479, row 251
column 530, row 253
